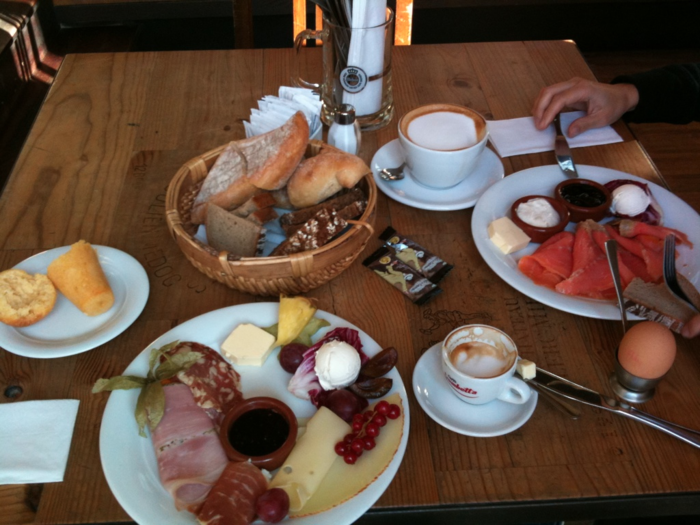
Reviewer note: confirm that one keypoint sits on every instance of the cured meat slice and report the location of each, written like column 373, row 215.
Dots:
column 189, row 453
column 232, row 500
column 551, row 262
column 629, row 228
column 215, row 385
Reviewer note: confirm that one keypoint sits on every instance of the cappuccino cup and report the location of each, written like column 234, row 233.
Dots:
column 442, row 143
column 478, row 362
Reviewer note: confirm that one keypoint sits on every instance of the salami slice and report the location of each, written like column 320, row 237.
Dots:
column 215, row 385
column 232, row 500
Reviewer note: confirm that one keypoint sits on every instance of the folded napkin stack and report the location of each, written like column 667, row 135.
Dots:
column 35, row 439
column 519, row 136
column 273, row 111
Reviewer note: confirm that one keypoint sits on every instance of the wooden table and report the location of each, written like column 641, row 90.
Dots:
column 111, row 134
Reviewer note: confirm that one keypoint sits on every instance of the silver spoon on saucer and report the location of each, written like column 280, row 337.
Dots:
column 391, row 174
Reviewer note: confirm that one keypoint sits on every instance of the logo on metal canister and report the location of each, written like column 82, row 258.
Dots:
column 353, row 79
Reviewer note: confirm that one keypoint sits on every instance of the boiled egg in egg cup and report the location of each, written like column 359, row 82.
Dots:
column 646, row 353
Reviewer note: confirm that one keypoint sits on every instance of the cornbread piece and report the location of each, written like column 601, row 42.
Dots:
column 230, row 233
column 348, row 205
column 78, row 275
column 262, row 162
column 248, row 345
column 313, row 234
column 324, row 175
column 507, row 236
column 24, row 298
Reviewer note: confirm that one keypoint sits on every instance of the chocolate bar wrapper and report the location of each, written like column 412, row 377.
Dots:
column 412, row 284
column 415, row 256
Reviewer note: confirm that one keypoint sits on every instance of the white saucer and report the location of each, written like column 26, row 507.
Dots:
column 488, row 171
column 435, row 398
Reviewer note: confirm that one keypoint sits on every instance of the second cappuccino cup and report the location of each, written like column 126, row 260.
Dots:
column 442, row 143
column 479, row 362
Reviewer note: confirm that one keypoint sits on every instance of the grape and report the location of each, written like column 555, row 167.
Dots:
column 343, row 403
column 382, row 408
column 272, row 506
column 291, row 356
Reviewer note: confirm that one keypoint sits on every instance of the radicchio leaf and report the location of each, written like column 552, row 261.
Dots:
column 304, row 383
column 652, row 215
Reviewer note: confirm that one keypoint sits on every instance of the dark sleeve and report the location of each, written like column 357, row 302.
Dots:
column 669, row 94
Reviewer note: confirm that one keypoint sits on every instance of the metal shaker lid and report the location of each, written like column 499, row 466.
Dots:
column 345, row 114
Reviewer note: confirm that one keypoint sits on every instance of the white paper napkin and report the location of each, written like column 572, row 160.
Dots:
column 519, row 136
column 35, row 440
column 273, row 111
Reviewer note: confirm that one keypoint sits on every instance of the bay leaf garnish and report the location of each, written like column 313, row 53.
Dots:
column 150, row 406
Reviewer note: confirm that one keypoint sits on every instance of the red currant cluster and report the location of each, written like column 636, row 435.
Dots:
column 365, row 428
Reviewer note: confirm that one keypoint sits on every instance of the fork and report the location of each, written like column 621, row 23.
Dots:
column 670, row 269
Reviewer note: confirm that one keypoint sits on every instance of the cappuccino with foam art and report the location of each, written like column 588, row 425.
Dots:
column 442, row 143
column 479, row 359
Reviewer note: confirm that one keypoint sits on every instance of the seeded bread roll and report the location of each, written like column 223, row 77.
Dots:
column 319, row 177
column 78, row 275
column 24, row 298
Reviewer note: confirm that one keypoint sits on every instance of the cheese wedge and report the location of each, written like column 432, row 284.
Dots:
column 344, row 481
column 311, row 458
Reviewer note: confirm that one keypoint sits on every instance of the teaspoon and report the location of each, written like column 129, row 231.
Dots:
column 391, row 174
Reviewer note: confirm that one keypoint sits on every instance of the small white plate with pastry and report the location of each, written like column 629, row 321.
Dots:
column 66, row 330
column 488, row 171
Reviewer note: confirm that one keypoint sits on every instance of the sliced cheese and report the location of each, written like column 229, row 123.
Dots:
column 248, row 345
column 344, row 481
column 311, row 458
column 526, row 369
column 507, row 236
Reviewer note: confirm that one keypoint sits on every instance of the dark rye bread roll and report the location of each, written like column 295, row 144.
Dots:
column 263, row 162
column 319, row 177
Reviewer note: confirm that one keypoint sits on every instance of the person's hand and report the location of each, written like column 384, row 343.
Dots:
column 692, row 327
column 603, row 103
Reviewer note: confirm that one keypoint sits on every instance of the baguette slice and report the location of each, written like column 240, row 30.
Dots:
column 230, row 233
column 262, row 162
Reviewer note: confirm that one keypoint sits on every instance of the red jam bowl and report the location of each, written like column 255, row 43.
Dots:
column 260, row 429
column 536, row 233
column 584, row 190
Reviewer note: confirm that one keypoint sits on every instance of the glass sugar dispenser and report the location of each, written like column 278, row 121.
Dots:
column 344, row 132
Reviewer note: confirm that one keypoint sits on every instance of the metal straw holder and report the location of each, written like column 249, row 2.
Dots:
column 630, row 387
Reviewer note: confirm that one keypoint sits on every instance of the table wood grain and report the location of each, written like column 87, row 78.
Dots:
column 111, row 134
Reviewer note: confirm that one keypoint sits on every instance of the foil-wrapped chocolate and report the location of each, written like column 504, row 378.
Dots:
column 412, row 284
column 414, row 255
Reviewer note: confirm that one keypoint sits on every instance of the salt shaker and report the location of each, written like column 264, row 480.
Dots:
column 344, row 133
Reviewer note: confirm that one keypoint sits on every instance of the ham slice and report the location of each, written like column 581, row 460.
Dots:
column 189, row 453
column 232, row 500
column 551, row 262
column 215, row 385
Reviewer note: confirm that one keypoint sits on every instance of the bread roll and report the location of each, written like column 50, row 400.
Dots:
column 319, row 177
column 263, row 162
column 78, row 275
column 24, row 298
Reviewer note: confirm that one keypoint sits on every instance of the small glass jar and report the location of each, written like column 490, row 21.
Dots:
column 344, row 133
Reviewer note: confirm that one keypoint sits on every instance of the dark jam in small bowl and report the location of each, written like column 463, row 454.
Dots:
column 260, row 429
column 585, row 199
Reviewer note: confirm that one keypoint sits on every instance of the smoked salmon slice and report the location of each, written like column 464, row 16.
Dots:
column 551, row 262
column 629, row 228
column 585, row 249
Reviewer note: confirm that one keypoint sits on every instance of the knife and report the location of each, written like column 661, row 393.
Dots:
column 563, row 152
column 570, row 390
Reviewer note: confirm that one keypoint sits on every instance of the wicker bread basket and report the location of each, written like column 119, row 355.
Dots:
column 267, row 276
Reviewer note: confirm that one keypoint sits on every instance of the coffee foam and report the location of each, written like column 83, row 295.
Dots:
column 482, row 360
column 443, row 127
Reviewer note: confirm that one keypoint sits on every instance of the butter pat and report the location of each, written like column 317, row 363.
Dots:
column 507, row 236
column 248, row 345
column 526, row 369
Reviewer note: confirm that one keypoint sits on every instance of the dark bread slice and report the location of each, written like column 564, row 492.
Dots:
column 349, row 212
column 342, row 200
column 233, row 234
column 656, row 302
column 313, row 234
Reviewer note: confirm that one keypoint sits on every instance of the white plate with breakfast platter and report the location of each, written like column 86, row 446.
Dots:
column 66, row 330
column 437, row 400
column 496, row 202
column 129, row 462
column 488, row 171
